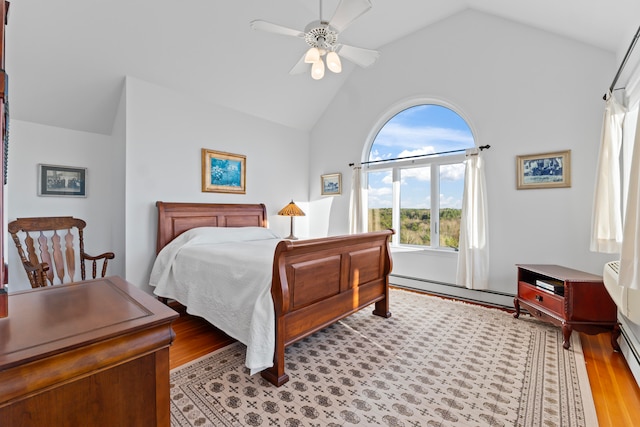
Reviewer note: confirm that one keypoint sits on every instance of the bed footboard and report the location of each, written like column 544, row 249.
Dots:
column 318, row 282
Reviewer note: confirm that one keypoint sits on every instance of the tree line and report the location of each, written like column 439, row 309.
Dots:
column 415, row 225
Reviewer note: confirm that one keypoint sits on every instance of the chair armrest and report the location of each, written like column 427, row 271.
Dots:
column 36, row 273
column 43, row 266
column 106, row 255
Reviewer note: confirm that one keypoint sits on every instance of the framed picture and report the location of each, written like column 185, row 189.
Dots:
column 548, row 170
column 223, row 172
column 65, row 181
column 331, row 184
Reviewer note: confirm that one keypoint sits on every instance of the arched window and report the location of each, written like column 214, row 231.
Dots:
column 415, row 176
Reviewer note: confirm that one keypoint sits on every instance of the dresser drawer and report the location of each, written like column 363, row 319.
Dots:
column 543, row 299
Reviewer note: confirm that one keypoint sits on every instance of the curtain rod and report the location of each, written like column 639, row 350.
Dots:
column 623, row 63
column 483, row 147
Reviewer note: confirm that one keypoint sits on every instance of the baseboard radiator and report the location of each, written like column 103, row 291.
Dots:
column 450, row 290
column 628, row 302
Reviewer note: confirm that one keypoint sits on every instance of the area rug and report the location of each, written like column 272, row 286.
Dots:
column 435, row 362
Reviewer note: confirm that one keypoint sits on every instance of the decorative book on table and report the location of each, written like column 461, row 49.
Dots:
column 555, row 286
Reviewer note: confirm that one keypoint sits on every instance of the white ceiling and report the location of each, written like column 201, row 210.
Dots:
column 66, row 59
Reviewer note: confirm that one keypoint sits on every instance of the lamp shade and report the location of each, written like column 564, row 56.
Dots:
column 312, row 55
column 333, row 62
column 291, row 210
column 317, row 69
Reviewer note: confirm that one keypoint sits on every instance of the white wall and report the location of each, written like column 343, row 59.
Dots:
column 153, row 154
column 165, row 132
column 116, row 195
column 523, row 91
column 31, row 144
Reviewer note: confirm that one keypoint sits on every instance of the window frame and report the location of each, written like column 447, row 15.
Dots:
column 433, row 162
column 394, row 166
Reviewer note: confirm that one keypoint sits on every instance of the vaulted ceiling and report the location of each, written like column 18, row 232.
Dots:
column 66, row 59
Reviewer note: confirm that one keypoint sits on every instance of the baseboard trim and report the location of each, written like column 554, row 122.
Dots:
column 449, row 290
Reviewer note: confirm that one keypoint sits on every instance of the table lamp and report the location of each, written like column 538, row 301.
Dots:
column 291, row 210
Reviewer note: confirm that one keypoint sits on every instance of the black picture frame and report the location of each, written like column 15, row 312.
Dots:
column 62, row 181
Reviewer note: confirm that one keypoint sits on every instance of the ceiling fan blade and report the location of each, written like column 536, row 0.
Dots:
column 347, row 12
column 269, row 27
column 358, row 55
column 300, row 67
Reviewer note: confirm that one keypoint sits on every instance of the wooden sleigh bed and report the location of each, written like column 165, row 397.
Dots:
column 314, row 283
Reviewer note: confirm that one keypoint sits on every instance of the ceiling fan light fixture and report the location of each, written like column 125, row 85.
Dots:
column 312, row 56
column 317, row 69
column 333, row 62
column 321, row 37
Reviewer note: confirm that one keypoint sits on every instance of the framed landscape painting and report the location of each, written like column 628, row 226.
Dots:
column 547, row 170
column 65, row 181
column 223, row 172
column 331, row 184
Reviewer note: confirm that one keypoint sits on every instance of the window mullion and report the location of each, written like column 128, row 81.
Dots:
column 435, row 206
column 395, row 211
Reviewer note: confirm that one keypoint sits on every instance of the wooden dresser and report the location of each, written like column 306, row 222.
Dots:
column 569, row 298
column 92, row 353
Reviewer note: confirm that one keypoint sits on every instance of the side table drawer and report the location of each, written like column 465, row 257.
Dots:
column 530, row 294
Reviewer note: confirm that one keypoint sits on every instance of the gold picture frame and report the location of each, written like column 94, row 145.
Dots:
column 331, row 184
column 545, row 170
column 223, row 172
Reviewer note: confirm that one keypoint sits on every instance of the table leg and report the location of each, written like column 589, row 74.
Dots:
column 615, row 334
column 566, row 336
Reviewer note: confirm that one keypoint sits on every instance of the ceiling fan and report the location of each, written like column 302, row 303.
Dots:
column 322, row 37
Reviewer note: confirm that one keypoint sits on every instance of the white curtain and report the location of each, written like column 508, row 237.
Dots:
column 473, row 258
column 629, row 275
column 356, row 218
column 606, row 221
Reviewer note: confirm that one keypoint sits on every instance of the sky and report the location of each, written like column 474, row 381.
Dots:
column 422, row 129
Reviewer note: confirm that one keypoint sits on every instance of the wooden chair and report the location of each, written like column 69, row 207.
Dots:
column 49, row 258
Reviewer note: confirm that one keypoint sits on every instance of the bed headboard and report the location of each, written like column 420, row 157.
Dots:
column 176, row 218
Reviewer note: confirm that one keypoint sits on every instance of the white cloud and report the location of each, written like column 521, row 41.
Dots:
column 380, row 191
column 387, row 179
column 374, row 155
column 453, row 172
column 416, row 203
column 379, row 197
column 398, row 135
column 450, row 202
column 422, row 174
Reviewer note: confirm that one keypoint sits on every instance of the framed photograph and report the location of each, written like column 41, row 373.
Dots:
column 223, row 172
column 331, row 184
column 65, row 181
column 548, row 170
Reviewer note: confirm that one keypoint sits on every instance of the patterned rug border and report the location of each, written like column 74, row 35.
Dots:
column 590, row 415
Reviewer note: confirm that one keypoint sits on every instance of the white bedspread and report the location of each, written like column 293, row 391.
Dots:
column 224, row 275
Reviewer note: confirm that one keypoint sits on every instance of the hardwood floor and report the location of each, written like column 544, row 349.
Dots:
column 615, row 392
column 195, row 337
